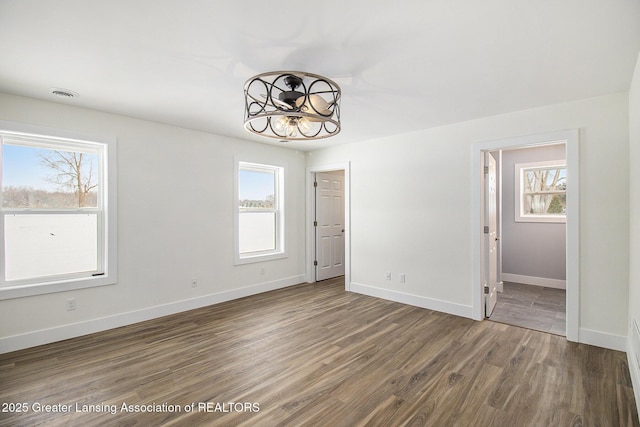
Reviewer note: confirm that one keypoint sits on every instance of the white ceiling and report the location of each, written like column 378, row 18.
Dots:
column 403, row 65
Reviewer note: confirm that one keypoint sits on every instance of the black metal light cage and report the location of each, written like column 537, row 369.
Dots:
column 306, row 105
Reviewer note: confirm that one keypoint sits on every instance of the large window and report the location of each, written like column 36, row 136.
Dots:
column 541, row 189
column 57, row 231
column 259, row 219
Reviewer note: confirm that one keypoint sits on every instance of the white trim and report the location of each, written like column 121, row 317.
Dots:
column 414, row 300
column 635, row 380
column 634, row 369
column 310, row 246
column 571, row 140
column 45, row 336
column 603, row 339
column 536, row 281
column 500, row 167
column 572, row 148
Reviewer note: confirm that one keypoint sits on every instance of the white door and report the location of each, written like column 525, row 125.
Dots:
column 329, row 225
column 491, row 235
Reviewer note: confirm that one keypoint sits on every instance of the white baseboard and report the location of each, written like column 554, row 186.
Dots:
column 537, row 281
column 45, row 336
column 633, row 359
column 602, row 339
column 415, row 300
column 635, row 377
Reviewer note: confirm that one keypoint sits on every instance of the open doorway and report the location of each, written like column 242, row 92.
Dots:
column 480, row 242
column 531, row 208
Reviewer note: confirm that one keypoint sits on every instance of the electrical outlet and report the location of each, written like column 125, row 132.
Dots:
column 194, row 283
column 71, row 304
column 403, row 278
column 388, row 275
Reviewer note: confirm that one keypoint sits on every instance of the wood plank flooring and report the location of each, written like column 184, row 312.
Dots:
column 533, row 307
column 316, row 355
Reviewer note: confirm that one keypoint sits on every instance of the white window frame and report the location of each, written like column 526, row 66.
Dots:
column 520, row 169
column 106, row 212
column 279, row 251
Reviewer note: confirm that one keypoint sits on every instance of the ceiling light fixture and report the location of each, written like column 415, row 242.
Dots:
column 292, row 105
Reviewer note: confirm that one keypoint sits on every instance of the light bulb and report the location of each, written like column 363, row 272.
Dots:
column 304, row 125
column 281, row 125
column 290, row 126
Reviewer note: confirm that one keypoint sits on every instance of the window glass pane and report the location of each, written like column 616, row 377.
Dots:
column 257, row 188
column 545, row 179
column 544, row 191
column 36, row 177
column 50, row 244
column 257, row 231
column 547, row 204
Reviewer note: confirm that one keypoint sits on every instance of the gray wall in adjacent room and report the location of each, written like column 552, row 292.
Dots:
column 534, row 249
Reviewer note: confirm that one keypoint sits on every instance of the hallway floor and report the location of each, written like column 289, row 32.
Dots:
column 532, row 307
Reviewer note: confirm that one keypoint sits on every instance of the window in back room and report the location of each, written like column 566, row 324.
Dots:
column 541, row 191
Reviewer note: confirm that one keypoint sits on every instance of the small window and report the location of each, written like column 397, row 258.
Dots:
column 54, row 217
column 541, row 189
column 260, row 215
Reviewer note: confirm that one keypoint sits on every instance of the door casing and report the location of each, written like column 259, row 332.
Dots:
column 491, row 234
column 329, row 225
column 571, row 140
column 310, row 229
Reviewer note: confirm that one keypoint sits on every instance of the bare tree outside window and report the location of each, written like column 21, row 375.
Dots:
column 544, row 190
column 55, row 226
column 73, row 172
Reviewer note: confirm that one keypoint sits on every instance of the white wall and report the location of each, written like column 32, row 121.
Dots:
column 411, row 213
column 634, row 225
column 175, row 218
column 411, row 209
column 532, row 249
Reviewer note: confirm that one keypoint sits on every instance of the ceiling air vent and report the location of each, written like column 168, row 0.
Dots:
column 63, row 93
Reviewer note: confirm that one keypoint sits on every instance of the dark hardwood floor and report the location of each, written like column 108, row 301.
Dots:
column 316, row 355
column 533, row 307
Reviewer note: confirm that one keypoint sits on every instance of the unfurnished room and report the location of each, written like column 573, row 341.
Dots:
column 361, row 213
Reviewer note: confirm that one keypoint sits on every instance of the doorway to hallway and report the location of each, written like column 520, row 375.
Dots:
column 531, row 206
column 571, row 251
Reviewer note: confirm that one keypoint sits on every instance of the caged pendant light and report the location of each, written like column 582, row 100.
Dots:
column 292, row 105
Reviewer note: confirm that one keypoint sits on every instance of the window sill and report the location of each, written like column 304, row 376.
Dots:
column 27, row 290
column 259, row 258
column 545, row 219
